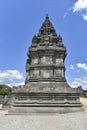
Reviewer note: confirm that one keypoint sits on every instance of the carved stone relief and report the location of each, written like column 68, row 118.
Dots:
column 59, row 60
column 27, row 75
column 46, row 73
column 46, row 60
column 34, row 73
column 34, row 60
column 62, row 73
column 57, row 72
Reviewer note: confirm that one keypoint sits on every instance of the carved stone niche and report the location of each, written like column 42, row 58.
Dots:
column 46, row 60
column 34, row 60
column 34, row 73
column 46, row 73
column 59, row 60
column 57, row 72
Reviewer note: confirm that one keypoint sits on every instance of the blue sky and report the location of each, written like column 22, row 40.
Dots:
column 21, row 19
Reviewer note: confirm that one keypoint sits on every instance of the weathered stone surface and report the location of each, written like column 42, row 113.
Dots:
column 46, row 88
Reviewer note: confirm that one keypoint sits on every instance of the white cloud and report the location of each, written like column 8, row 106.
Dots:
column 85, row 16
column 81, row 6
column 79, row 82
column 82, row 66
column 66, row 13
column 71, row 67
column 20, row 83
column 11, row 77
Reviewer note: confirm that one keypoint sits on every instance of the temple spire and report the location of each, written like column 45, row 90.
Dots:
column 47, row 27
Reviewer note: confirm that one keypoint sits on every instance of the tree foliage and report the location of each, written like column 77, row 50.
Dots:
column 5, row 89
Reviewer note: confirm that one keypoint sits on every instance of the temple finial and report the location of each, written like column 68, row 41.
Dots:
column 47, row 17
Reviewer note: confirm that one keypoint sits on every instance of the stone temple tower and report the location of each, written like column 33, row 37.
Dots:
column 46, row 88
column 46, row 56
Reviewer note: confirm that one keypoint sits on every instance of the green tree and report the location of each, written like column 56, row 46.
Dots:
column 5, row 89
